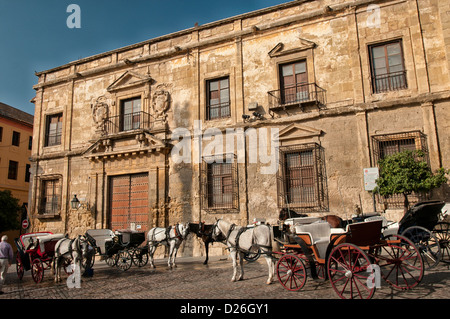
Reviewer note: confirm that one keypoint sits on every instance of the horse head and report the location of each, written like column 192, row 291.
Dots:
column 216, row 231
column 184, row 229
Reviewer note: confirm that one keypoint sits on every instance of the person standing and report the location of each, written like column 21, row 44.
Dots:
column 6, row 259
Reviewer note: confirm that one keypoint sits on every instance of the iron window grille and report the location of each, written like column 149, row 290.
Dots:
column 219, row 183
column 50, row 203
column 389, row 144
column 301, row 178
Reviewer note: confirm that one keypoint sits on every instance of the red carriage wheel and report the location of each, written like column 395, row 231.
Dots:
column 37, row 270
column 291, row 272
column 19, row 266
column 348, row 267
column 400, row 262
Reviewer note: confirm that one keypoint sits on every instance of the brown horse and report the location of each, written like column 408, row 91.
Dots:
column 204, row 232
column 333, row 220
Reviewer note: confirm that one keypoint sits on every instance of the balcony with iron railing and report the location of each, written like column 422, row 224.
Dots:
column 129, row 122
column 297, row 96
column 389, row 82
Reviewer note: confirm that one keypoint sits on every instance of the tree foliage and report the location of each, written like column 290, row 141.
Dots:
column 406, row 172
column 9, row 209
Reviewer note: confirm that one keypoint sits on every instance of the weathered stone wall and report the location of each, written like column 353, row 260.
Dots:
column 248, row 49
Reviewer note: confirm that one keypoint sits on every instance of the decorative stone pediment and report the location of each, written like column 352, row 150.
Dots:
column 128, row 80
column 123, row 145
column 298, row 132
column 280, row 49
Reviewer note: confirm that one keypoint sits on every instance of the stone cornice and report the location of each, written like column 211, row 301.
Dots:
column 179, row 50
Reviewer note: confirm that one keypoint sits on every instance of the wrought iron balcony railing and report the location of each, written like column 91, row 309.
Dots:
column 299, row 95
column 389, row 82
column 128, row 122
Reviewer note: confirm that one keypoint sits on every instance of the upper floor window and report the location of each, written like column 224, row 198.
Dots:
column 53, row 130
column 12, row 170
column 130, row 112
column 16, row 138
column 1, row 133
column 294, row 82
column 27, row 173
column 218, row 98
column 388, row 69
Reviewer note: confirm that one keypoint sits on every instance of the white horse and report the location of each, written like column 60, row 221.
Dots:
column 69, row 250
column 171, row 237
column 241, row 239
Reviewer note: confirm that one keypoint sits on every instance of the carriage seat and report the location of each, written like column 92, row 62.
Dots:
column 388, row 227
column 43, row 239
column 302, row 220
column 319, row 234
column 101, row 237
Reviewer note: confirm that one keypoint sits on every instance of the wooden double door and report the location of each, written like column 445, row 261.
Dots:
column 128, row 202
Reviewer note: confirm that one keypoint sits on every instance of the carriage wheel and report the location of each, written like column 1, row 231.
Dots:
column 348, row 270
column 427, row 243
column 400, row 262
column 124, row 260
column 139, row 257
column 442, row 233
column 19, row 266
column 291, row 272
column 37, row 270
column 111, row 260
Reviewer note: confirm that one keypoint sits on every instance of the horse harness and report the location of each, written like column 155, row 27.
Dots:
column 70, row 248
column 238, row 235
column 178, row 234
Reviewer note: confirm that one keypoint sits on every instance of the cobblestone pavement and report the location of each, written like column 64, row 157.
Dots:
column 193, row 280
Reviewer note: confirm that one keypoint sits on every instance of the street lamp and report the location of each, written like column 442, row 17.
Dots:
column 74, row 203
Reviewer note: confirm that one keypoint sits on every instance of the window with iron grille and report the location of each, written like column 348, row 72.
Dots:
column 218, row 98
column 53, row 131
column 302, row 183
column 385, row 145
column 388, row 70
column 219, row 189
column 50, row 197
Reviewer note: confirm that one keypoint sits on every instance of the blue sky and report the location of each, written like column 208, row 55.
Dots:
column 34, row 35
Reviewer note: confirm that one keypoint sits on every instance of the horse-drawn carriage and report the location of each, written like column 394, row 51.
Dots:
column 120, row 248
column 424, row 226
column 35, row 251
column 353, row 258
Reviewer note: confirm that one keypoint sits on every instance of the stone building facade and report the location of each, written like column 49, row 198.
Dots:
column 281, row 107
